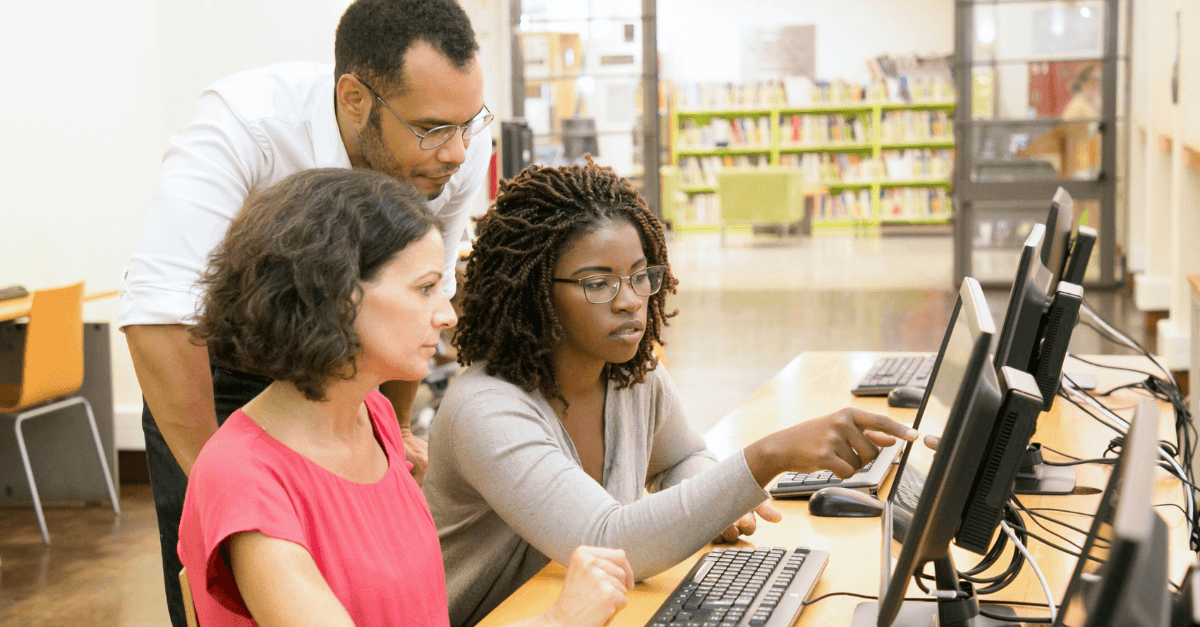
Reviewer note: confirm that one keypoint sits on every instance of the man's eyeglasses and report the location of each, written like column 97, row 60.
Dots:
column 603, row 288
column 439, row 135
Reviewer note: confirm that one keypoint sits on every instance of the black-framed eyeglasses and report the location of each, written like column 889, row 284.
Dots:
column 602, row 288
column 439, row 135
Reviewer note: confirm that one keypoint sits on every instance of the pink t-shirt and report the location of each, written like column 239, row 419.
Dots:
column 375, row 544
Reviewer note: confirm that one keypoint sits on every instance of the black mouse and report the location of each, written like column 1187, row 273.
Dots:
column 844, row 503
column 906, row 396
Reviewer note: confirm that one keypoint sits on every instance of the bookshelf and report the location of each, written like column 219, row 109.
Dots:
column 882, row 163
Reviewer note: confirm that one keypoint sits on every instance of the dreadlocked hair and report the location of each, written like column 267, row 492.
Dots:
column 508, row 317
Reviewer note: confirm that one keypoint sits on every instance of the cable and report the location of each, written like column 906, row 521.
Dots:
column 1108, row 461
column 1036, row 571
column 1051, row 544
column 1067, row 511
column 1184, row 432
column 995, row 583
column 1015, row 619
column 1095, row 322
column 1059, row 453
column 872, row 597
column 1034, row 515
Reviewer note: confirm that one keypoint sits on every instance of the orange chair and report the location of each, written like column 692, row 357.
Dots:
column 52, row 374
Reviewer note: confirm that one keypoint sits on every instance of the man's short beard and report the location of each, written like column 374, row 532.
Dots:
column 379, row 159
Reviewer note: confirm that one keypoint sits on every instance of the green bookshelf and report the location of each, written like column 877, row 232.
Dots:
column 871, row 116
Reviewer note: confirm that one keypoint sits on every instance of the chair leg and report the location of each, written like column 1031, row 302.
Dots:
column 108, row 482
column 37, row 502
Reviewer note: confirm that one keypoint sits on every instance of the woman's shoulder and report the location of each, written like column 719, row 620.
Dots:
column 655, row 384
column 476, row 382
column 236, row 453
column 476, row 396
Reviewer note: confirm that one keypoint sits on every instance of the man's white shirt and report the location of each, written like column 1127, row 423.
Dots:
column 248, row 132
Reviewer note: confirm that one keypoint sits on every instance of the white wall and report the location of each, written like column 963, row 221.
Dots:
column 81, row 132
column 1165, row 200
column 700, row 40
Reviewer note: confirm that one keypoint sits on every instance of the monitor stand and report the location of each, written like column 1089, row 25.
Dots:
column 1036, row 477
column 962, row 611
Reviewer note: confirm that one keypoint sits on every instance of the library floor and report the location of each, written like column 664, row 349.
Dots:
column 745, row 309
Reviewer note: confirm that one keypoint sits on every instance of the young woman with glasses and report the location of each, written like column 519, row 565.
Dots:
column 562, row 419
column 301, row 509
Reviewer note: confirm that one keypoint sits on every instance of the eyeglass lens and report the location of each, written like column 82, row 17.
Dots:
column 442, row 134
column 603, row 288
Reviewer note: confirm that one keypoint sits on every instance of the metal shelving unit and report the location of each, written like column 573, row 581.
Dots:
column 1033, row 74
column 589, row 82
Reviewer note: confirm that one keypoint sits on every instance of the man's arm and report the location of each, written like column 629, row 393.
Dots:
column 176, row 381
column 416, row 451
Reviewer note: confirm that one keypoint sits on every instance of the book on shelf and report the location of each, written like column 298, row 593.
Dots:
column 741, row 132
column 893, row 166
column 909, row 203
column 847, row 205
column 702, row 171
column 822, row 129
column 912, row 126
column 702, row 209
column 725, row 96
column 908, row 79
column 918, row 164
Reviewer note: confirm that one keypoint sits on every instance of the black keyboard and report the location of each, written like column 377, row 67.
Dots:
column 894, row 372
column 867, row 479
column 754, row 587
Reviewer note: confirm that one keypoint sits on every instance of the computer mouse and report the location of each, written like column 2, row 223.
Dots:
column 844, row 503
column 906, row 396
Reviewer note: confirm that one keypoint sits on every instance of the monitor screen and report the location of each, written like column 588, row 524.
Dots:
column 936, row 471
column 1121, row 578
column 1060, row 224
column 1027, row 302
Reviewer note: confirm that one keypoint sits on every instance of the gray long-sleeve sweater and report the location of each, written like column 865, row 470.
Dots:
column 508, row 493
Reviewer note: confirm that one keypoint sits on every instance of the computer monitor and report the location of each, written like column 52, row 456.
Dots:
column 1060, row 226
column 1081, row 252
column 1121, row 576
column 930, row 488
column 516, row 147
column 1037, row 328
column 1028, row 301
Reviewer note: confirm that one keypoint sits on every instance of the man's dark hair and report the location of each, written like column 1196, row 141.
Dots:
column 508, row 316
column 374, row 35
column 282, row 289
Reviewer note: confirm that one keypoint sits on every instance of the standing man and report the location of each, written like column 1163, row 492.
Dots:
column 405, row 97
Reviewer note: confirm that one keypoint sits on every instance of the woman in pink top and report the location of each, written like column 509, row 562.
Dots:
column 301, row 510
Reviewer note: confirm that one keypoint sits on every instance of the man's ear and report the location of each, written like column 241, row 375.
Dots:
column 354, row 100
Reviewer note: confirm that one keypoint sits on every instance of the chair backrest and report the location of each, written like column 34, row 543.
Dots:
column 53, row 345
column 189, row 608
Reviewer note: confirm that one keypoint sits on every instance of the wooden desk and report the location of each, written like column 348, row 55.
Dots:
column 815, row 384
column 15, row 308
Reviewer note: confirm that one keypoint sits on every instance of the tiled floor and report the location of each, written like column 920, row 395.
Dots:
column 746, row 308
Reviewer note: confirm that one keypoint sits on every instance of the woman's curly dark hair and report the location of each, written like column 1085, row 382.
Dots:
column 508, row 317
column 282, row 289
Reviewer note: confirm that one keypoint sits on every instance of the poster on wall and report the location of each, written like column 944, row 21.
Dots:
column 772, row 53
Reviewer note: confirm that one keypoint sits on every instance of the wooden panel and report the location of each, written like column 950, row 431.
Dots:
column 1191, row 157
column 1165, row 142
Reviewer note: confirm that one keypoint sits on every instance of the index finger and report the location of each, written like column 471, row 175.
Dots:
column 877, row 422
